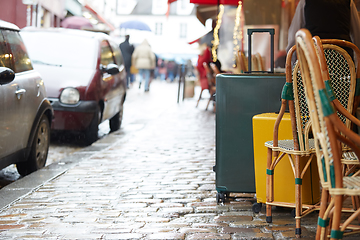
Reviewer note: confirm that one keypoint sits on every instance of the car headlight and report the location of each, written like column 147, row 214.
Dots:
column 70, row 96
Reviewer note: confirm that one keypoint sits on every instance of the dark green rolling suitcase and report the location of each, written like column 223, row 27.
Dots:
column 238, row 99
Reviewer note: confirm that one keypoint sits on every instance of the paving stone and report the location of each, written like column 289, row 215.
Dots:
column 113, row 230
column 11, row 226
column 291, row 233
column 255, row 236
column 215, row 209
column 210, row 225
column 167, row 205
column 180, row 210
column 184, row 200
column 209, row 236
column 155, row 230
column 197, row 230
column 202, row 204
column 232, row 218
column 240, row 213
column 246, row 223
column 152, row 219
column 142, row 201
column 5, row 222
column 240, row 230
column 166, row 236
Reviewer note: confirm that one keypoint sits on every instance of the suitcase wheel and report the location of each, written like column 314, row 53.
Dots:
column 256, row 207
column 220, row 197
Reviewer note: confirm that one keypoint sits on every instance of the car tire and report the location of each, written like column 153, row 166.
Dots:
column 91, row 134
column 115, row 121
column 39, row 149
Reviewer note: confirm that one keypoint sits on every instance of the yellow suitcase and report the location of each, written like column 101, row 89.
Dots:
column 284, row 181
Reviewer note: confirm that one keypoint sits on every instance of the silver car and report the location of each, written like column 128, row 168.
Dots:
column 25, row 113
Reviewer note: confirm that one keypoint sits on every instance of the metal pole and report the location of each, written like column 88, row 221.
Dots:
column 183, row 77
column 178, row 97
column 272, row 52
column 249, row 50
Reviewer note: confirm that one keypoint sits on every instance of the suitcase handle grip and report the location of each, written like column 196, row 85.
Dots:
column 271, row 31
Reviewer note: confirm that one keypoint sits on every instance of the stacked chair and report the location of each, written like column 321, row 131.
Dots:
column 241, row 62
column 211, row 77
column 331, row 134
column 301, row 149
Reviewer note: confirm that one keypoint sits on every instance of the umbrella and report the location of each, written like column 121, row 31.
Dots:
column 135, row 24
column 76, row 22
column 207, row 38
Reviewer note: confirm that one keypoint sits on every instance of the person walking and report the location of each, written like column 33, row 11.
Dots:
column 144, row 59
column 162, row 69
column 127, row 50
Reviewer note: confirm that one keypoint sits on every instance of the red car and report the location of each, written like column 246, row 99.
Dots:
column 84, row 75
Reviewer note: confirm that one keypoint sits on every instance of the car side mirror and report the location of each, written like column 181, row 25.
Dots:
column 6, row 75
column 111, row 69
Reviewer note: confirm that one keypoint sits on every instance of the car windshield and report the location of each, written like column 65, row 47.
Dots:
column 61, row 50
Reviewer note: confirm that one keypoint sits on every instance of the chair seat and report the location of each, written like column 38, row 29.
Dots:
column 349, row 158
column 351, row 183
column 287, row 146
column 351, row 187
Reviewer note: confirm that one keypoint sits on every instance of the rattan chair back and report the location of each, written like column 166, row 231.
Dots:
column 329, row 130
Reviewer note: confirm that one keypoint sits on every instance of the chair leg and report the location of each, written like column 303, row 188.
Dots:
column 298, row 203
column 199, row 97
column 323, row 222
column 269, row 186
column 207, row 105
column 335, row 227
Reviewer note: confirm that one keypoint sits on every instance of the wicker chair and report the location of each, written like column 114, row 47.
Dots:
column 301, row 148
column 212, row 84
column 241, row 62
column 336, row 56
column 329, row 131
column 260, row 62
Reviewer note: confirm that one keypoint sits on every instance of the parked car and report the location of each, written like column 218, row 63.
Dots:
column 25, row 112
column 84, row 75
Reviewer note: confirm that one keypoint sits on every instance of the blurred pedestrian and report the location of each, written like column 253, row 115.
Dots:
column 171, row 70
column 144, row 59
column 204, row 57
column 328, row 19
column 162, row 69
column 153, row 72
column 127, row 50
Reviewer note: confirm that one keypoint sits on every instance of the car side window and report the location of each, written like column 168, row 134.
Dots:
column 107, row 56
column 117, row 54
column 19, row 57
column 5, row 57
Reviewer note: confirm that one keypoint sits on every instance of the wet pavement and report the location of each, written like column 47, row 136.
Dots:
column 152, row 179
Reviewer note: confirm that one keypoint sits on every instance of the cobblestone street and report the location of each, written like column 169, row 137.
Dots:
column 152, row 179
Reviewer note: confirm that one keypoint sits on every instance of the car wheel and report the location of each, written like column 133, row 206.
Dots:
column 39, row 149
column 115, row 121
column 91, row 134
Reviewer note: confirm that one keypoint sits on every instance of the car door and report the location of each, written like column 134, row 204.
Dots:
column 110, row 83
column 18, row 99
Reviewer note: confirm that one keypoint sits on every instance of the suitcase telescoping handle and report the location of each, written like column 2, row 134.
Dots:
column 271, row 31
